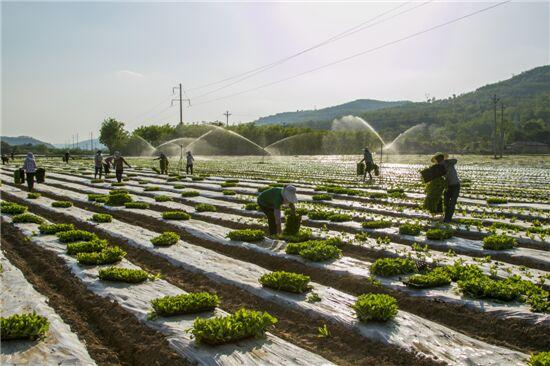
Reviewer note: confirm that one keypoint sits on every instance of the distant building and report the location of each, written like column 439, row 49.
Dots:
column 529, row 147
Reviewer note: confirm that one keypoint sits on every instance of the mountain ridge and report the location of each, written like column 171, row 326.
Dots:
column 354, row 107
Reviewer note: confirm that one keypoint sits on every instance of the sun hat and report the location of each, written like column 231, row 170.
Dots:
column 438, row 154
column 289, row 194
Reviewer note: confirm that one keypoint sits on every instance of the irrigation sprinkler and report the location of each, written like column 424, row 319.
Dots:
column 180, row 162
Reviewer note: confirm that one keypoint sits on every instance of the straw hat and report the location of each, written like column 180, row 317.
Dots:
column 438, row 154
column 289, row 194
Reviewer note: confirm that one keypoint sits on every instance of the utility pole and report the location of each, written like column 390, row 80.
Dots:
column 77, row 140
column 495, row 100
column 180, row 99
column 501, row 129
column 227, row 114
column 91, row 141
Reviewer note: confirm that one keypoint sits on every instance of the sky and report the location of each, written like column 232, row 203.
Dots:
column 66, row 66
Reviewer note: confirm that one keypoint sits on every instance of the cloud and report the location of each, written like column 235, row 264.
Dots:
column 129, row 73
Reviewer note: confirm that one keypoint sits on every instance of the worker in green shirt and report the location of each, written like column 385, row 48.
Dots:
column 270, row 202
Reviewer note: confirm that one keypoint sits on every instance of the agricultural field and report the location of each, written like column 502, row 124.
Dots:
column 176, row 269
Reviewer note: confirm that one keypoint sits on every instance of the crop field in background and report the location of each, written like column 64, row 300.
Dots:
column 179, row 269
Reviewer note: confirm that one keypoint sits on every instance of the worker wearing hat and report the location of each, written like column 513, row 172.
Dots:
column 270, row 202
column 452, row 191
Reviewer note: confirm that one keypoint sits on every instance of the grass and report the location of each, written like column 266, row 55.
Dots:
column 393, row 266
column 71, row 236
column 50, row 229
column 292, row 224
column 315, row 250
column 539, row 359
column 439, row 233
column 436, row 277
column 151, row 189
column 137, row 205
column 27, row 218
column 375, row 307
column 23, row 326
column 205, row 207
column 33, row 195
column 118, row 199
column 249, row 235
column 190, row 194
column 376, row 224
column 165, row 239
column 241, row 325
column 62, row 204
column 498, row 242
column 86, row 246
column 127, row 275
column 100, row 198
column 163, row 198
column 10, row 208
column 286, row 281
column 496, row 200
column 321, row 197
column 106, row 256
column 191, row 303
column 410, row 229
column 102, row 218
column 175, row 215
column 252, row 206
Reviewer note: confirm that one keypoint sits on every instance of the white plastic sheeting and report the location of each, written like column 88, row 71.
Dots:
column 343, row 265
column 464, row 245
column 136, row 299
column 407, row 331
column 60, row 346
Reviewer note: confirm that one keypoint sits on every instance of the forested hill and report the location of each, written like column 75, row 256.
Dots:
column 23, row 140
column 465, row 122
column 356, row 107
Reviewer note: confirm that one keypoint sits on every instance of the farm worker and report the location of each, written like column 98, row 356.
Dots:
column 163, row 160
column 270, row 202
column 5, row 159
column 29, row 166
column 369, row 163
column 452, row 182
column 190, row 160
column 118, row 162
column 98, row 164
column 66, row 157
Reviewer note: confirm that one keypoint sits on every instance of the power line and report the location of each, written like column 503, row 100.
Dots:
column 227, row 114
column 495, row 100
column 332, row 39
column 343, row 34
column 243, row 76
column 148, row 111
column 180, row 101
column 357, row 54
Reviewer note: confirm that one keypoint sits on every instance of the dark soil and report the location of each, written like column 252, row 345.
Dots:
column 112, row 335
column 511, row 333
column 341, row 347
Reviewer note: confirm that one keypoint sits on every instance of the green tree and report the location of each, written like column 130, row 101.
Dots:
column 113, row 135
column 156, row 134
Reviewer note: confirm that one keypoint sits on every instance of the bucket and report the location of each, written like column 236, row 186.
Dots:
column 40, row 175
column 360, row 168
